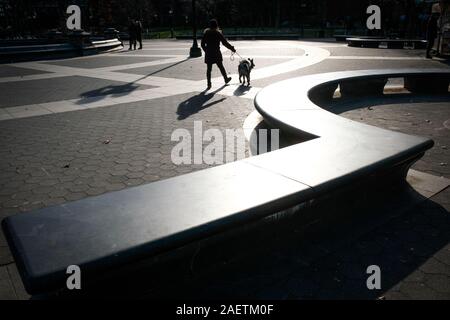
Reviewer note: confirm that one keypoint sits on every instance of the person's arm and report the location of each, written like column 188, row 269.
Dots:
column 203, row 43
column 226, row 43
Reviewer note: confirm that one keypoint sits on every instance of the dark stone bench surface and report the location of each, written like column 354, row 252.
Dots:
column 119, row 228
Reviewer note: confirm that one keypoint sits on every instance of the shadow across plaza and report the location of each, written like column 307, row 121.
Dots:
column 197, row 103
column 108, row 91
column 115, row 91
column 167, row 67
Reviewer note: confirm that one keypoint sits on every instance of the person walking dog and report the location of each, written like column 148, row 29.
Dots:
column 212, row 38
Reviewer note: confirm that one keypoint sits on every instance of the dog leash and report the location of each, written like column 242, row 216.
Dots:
column 232, row 56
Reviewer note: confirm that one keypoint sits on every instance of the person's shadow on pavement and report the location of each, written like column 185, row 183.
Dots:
column 197, row 103
column 111, row 90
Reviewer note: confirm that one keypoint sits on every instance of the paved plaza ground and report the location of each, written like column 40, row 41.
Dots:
column 80, row 127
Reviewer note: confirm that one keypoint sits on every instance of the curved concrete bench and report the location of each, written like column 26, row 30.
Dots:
column 108, row 232
column 390, row 43
column 344, row 148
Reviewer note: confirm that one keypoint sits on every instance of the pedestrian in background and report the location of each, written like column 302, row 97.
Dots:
column 139, row 33
column 432, row 28
column 132, row 34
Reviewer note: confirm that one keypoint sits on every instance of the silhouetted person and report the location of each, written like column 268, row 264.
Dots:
column 139, row 33
column 212, row 37
column 132, row 33
column 432, row 29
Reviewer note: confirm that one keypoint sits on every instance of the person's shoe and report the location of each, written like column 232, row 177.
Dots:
column 140, row 48
column 429, row 56
column 208, row 86
column 227, row 80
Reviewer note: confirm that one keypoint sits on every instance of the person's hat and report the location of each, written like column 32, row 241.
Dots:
column 213, row 24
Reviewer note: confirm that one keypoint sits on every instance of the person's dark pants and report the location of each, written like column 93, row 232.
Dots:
column 221, row 68
column 132, row 43
column 139, row 39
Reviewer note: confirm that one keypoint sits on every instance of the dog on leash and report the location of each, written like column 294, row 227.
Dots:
column 245, row 68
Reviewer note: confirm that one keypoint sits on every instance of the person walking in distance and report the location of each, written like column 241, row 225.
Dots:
column 432, row 28
column 132, row 34
column 139, row 33
column 212, row 38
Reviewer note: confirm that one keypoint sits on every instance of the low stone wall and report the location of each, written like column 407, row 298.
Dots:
column 74, row 47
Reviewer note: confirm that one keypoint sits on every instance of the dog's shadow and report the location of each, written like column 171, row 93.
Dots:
column 241, row 90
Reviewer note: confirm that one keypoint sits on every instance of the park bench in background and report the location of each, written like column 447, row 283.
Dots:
column 344, row 37
column 386, row 43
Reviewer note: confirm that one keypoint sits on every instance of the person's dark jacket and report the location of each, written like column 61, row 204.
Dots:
column 211, row 45
column 432, row 28
column 138, row 27
column 132, row 30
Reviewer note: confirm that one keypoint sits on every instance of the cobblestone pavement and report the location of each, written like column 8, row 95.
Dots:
column 410, row 115
column 75, row 128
